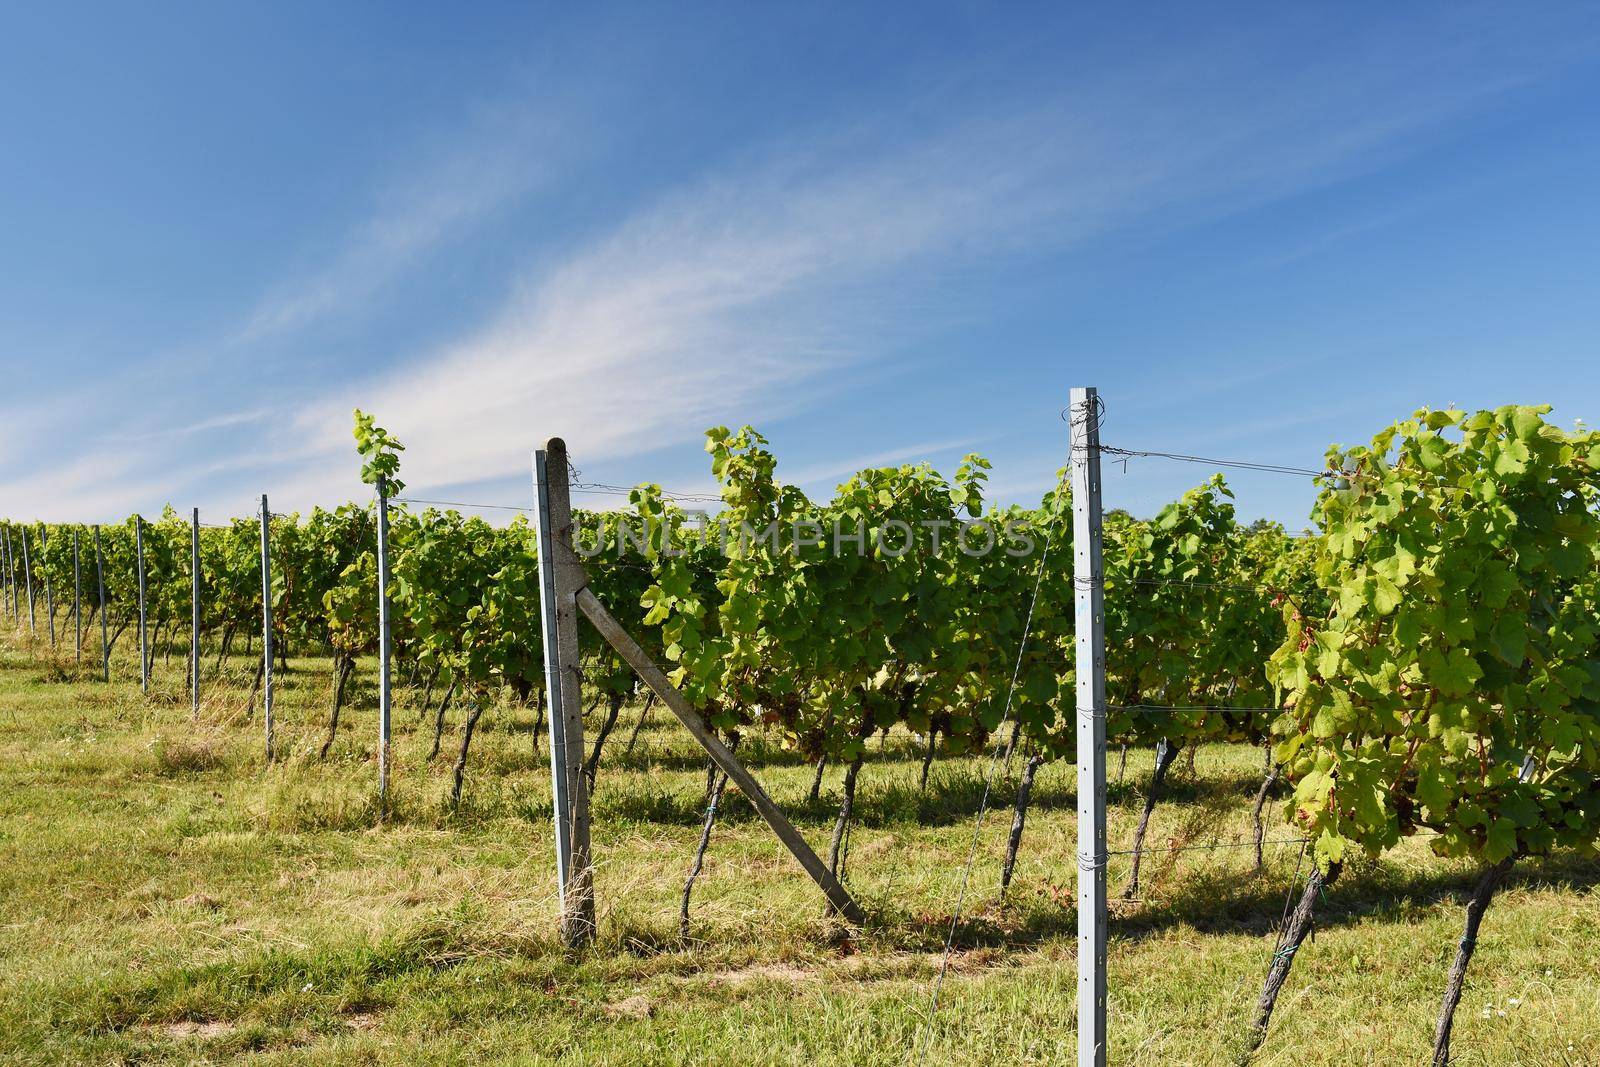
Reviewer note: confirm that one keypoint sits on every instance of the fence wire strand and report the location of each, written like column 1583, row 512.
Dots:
column 994, row 762
column 1235, row 464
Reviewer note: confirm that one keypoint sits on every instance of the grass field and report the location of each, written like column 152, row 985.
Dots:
column 165, row 899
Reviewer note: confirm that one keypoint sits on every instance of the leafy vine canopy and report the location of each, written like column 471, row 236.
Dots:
column 1454, row 682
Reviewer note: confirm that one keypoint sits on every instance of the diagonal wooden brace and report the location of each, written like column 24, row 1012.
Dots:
column 636, row 657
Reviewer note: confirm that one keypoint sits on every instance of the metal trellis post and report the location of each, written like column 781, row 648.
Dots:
column 49, row 593
column 27, row 577
column 194, row 613
column 11, row 579
column 77, row 595
column 16, row 588
column 11, row 574
column 266, row 622
column 100, row 580
column 144, row 636
column 1089, row 629
column 383, row 643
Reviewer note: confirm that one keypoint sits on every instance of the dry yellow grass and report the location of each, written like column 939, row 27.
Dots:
column 165, row 898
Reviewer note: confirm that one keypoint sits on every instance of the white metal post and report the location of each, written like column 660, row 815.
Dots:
column 144, row 637
column 16, row 583
column 383, row 643
column 11, row 574
column 552, row 678
column 266, row 621
column 49, row 596
column 27, row 577
column 77, row 594
column 1089, row 631
column 100, row 580
column 194, row 613
column 16, row 586
column 11, row 577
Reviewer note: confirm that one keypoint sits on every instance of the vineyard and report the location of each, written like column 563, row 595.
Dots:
column 1384, row 728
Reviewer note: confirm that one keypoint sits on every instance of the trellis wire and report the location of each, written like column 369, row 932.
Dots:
column 988, row 781
column 1236, row 464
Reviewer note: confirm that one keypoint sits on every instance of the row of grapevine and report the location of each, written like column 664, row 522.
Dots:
column 1429, row 663
column 822, row 648
column 1451, row 688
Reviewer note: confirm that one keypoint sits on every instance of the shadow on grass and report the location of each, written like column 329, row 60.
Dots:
column 295, row 982
column 953, row 796
column 1234, row 902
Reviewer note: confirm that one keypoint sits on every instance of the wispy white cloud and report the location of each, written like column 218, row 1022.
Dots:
column 755, row 290
column 96, row 486
column 227, row 421
column 758, row 288
column 501, row 155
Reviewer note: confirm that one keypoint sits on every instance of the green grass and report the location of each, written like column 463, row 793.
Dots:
column 163, row 898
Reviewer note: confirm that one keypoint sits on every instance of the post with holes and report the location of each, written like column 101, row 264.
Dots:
column 100, row 580
column 49, row 595
column 11, row 579
column 16, row 585
column 144, row 634
column 194, row 613
column 10, row 575
column 1089, row 630
column 383, row 644
column 27, row 577
column 560, row 577
column 77, row 595
column 11, row 572
column 266, row 621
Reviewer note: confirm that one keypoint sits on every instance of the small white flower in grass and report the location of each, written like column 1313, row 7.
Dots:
column 306, row 988
column 1514, row 1001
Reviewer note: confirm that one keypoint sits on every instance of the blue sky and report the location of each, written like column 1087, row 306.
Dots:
column 878, row 233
